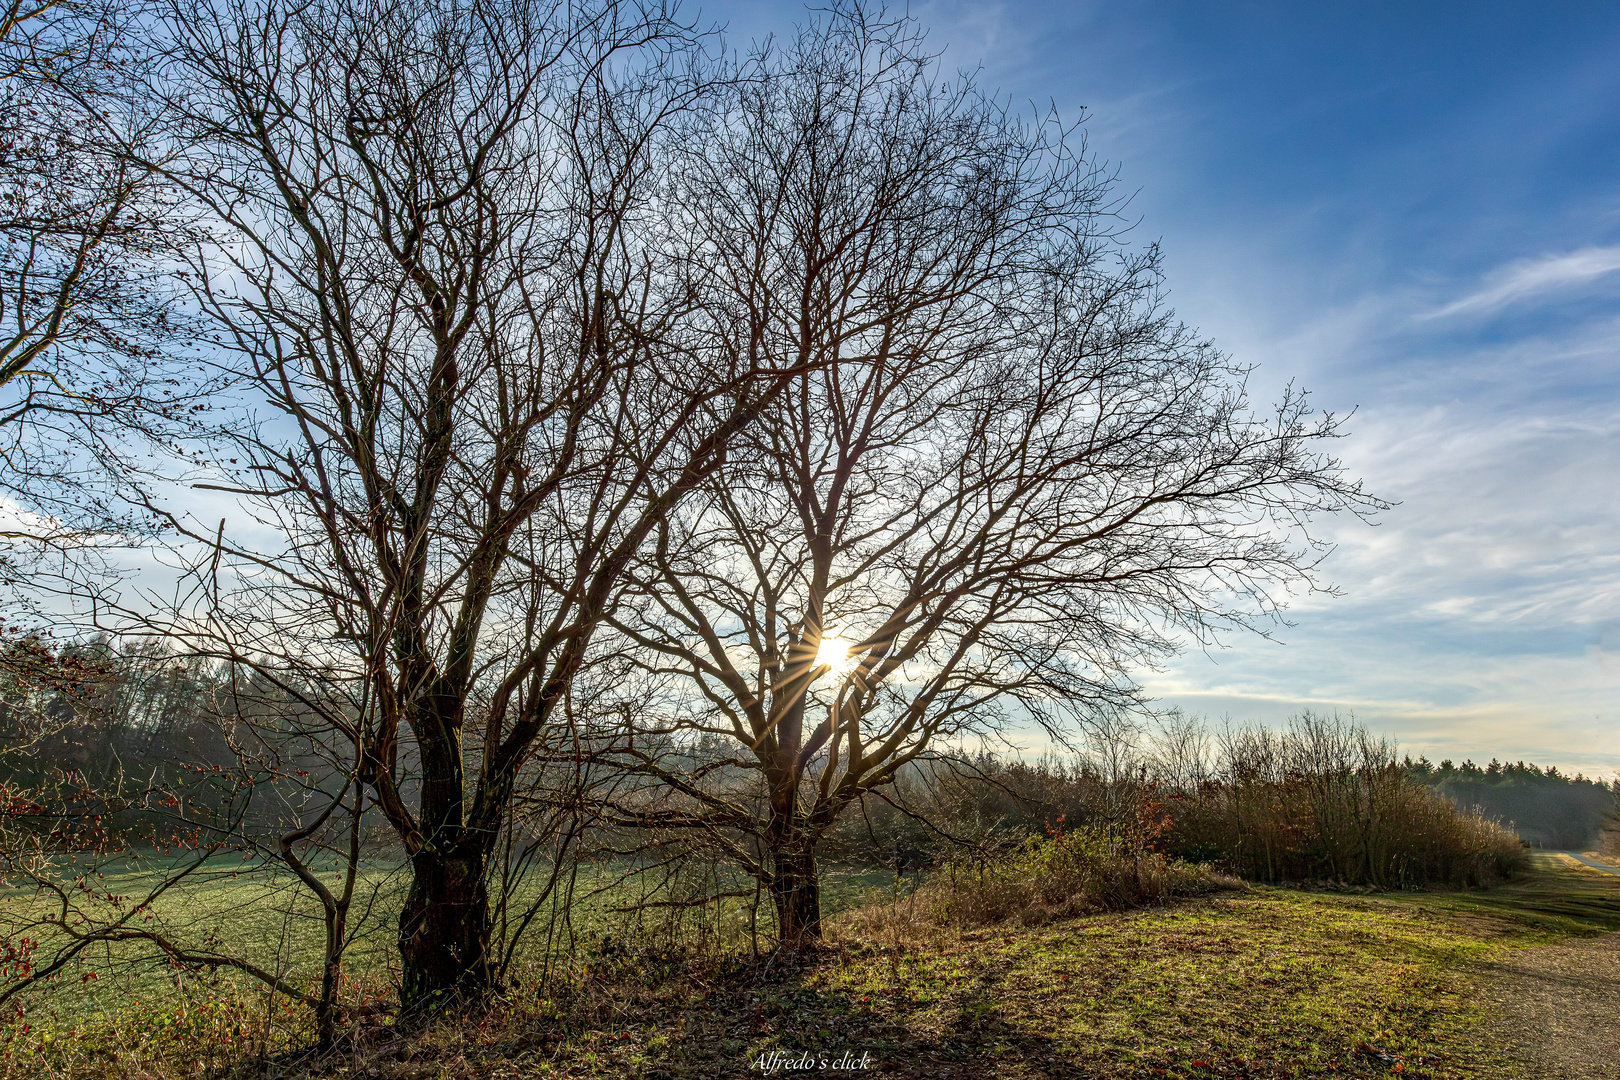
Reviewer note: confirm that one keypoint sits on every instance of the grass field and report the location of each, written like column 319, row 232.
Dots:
column 1261, row 983
column 270, row 920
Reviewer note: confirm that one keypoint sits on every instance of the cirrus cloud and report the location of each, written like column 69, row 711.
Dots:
column 1525, row 278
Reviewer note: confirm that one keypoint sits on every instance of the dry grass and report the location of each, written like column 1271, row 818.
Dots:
column 1045, row 878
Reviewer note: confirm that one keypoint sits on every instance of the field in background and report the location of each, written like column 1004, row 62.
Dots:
column 271, row 920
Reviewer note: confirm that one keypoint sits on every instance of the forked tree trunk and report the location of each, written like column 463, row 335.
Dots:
column 444, row 933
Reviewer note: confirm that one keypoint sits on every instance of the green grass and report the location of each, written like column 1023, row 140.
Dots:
column 223, row 906
column 1267, row 983
column 271, row 920
column 1262, row 983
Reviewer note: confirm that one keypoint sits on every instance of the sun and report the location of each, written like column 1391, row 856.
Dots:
column 836, row 654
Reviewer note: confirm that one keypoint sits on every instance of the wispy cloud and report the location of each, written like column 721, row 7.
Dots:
column 1530, row 277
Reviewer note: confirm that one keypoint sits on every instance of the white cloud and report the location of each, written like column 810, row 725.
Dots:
column 1529, row 277
column 1479, row 617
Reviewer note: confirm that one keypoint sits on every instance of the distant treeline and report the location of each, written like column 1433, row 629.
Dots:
column 1321, row 801
column 139, row 737
column 1544, row 806
column 102, row 712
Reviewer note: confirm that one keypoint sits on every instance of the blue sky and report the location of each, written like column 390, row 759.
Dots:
column 1414, row 209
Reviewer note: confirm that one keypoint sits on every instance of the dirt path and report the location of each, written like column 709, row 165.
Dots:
column 1558, row 1006
column 1595, row 864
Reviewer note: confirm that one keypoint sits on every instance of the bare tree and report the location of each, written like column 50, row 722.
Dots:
column 1009, row 478
column 477, row 374
column 90, row 373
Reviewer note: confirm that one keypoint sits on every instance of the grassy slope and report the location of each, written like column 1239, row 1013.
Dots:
column 1268, row 983
column 1271, row 983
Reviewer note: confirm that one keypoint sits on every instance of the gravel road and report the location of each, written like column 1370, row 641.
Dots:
column 1558, row 1006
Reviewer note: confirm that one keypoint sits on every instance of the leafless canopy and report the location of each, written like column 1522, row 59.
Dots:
column 745, row 427
column 90, row 372
column 477, row 375
column 1007, row 476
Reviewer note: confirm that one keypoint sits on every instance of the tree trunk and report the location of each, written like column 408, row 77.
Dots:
column 796, row 890
column 444, row 933
column 326, row 1009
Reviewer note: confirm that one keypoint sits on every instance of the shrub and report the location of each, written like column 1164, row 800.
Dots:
column 1325, row 801
column 1044, row 878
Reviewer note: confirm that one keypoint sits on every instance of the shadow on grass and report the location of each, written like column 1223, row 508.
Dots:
column 789, row 1023
column 1555, row 898
column 1269, row 984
